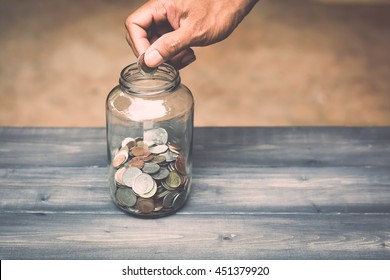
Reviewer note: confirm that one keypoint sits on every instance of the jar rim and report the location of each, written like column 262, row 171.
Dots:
column 166, row 78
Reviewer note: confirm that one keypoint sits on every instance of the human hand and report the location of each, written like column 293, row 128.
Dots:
column 165, row 30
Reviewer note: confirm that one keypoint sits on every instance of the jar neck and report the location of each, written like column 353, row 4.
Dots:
column 165, row 79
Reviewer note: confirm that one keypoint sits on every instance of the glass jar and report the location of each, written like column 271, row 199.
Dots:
column 149, row 122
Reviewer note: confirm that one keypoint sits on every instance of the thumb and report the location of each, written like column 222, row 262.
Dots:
column 166, row 47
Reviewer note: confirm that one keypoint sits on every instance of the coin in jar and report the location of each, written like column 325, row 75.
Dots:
column 156, row 136
column 129, row 175
column 136, row 162
column 140, row 152
column 129, row 142
column 126, row 197
column 150, row 168
column 173, row 180
column 143, row 184
column 174, row 148
column 178, row 200
column 159, row 159
column 151, row 193
column 180, row 164
column 119, row 159
column 145, row 205
column 158, row 205
column 159, row 149
column 161, row 174
column 168, row 199
column 169, row 156
column 119, row 176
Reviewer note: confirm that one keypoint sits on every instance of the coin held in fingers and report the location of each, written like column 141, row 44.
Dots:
column 143, row 68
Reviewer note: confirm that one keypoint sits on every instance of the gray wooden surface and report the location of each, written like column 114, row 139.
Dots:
column 258, row 193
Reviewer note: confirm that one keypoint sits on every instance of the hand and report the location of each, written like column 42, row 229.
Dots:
column 165, row 30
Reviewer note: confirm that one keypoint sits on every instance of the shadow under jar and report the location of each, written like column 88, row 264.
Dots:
column 149, row 141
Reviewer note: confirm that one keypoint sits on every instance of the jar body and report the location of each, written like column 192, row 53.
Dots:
column 149, row 122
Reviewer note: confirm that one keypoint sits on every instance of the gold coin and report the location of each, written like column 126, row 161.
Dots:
column 159, row 159
column 140, row 143
column 145, row 205
column 173, row 180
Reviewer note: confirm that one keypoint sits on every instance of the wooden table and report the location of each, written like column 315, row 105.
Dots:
column 257, row 193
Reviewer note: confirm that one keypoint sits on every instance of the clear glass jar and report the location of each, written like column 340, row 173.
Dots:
column 149, row 140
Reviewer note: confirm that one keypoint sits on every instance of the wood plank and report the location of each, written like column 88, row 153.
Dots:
column 301, row 146
column 213, row 147
column 258, row 193
column 61, row 147
column 311, row 236
column 217, row 190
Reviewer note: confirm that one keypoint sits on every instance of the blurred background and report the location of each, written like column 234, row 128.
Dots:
column 296, row 62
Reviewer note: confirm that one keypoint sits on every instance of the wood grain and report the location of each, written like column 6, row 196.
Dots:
column 257, row 193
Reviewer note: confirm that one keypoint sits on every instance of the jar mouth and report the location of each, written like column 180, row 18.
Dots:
column 166, row 78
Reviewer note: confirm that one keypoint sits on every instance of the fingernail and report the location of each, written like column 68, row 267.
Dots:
column 153, row 58
column 187, row 59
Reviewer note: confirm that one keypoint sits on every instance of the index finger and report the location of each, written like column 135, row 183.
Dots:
column 137, row 25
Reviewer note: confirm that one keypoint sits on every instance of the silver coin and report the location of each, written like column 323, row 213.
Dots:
column 126, row 197
column 179, row 200
column 161, row 192
column 161, row 174
column 156, row 136
column 129, row 175
column 170, row 156
column 159, row 149
column 151, row 168
column 151, row 193
column 143, row 184
column 143, row 68
column 168, row 199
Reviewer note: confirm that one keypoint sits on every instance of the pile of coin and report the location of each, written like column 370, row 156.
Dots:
column 150, row 174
